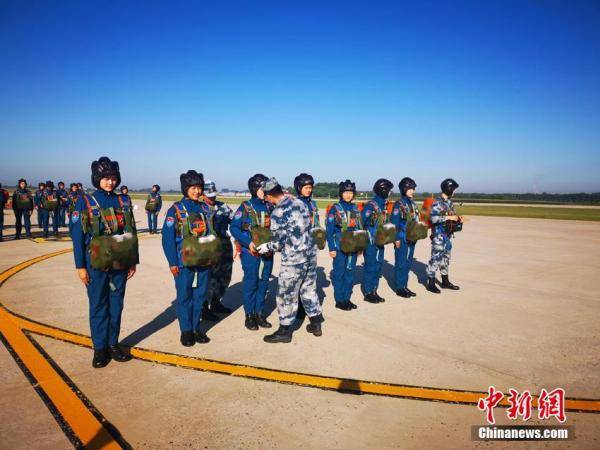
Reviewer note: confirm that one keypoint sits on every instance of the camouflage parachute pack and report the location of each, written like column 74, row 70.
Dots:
column 318, row 233
column 151, row 203
column 23, row 201
column 116, row 246
column 351, row 241
column 415, row 230
column 201, row 247
column 50, row 201
column 260, row 230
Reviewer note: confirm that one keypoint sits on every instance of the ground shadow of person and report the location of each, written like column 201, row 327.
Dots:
column 420, row 270
column 232, row 299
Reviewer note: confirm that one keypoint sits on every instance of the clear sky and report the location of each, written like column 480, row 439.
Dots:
column 503, row 96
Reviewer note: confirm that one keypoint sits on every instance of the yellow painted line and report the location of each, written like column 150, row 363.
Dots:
column 83, row 423
column 245, row 371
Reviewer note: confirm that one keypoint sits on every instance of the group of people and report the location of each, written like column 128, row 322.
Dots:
column 201, row 235
column 53, row 206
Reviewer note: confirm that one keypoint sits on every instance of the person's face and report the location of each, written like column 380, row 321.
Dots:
column 125, row 191
column 260, row 194
column 347, row 196
column 306, row 191
column 108, row 184
column 154, row 189
column 410, row 193
column 74, row 188
column 42, row 186
column 22, row 185
column 61, row 186
column 194, row 192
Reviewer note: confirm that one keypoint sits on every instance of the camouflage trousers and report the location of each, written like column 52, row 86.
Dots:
column 220, row 274
column 441, row 248
column 297, row 283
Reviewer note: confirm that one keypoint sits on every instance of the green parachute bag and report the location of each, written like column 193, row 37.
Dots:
column 23, row 201
column 319, row 236
column 452, row 226
column 354, row 241
column 125, row 250
column 415, row 231
column 204, row 251
column 385, row 234
column 261, row 235
column 101, row 257
column 151, row 204
column 50, row 203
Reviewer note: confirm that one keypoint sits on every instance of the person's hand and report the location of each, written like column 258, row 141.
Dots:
column 84, row 276
column 333, row 254
column 174, row 270
column 263, row 249
column 252, row 247
column 455, row 218
column 398, row 244
column 131, row 271
column 30, row 212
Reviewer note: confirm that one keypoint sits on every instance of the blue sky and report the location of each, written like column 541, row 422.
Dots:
column 503, row 96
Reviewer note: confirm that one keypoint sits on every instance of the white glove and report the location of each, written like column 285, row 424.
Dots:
column 263, row 249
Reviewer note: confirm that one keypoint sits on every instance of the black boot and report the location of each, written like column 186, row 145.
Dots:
column 250, row 322
column 117, row 354
column 403, row 292
column 261, row 321
column 208, row 315
column 371, row 298
column 101, row 358
column 343, row 306
column 314, row 326
column 352, row 305
column 187, row 339
column 378, row 297
column 217, row 307
column 447, row 285
column 412, row 294
column 431, row 287
column 283, row 334
column 201, row 338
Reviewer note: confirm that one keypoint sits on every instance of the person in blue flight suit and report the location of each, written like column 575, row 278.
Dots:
column 404, row 250
column 153, row 206
column 188, row 218
column 50, row 207
column 63, row 197
column 37, row 200
column 374, row 214
column 22, row 204
column 3, row 201
column 253, row 217
column 72, row 197
column 125, row 199
column 343, row 215
column 96, row 218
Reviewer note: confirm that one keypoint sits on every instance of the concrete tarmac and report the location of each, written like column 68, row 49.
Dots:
column 526, row 317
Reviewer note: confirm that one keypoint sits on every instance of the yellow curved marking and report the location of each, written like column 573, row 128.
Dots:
column 83, row 423
column 244, row 371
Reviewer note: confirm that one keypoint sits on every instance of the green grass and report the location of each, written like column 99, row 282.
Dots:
column 532, row 212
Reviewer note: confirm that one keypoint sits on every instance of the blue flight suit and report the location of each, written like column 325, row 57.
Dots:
column 37, row 201
column 47, row 214
column 192, row 282
column 404, row 255
column 153, row 215
column 255, row 281
column 64, row 204
column 22, row 215
column 106, row 290
column 313, row 209
column 374, row 254
column 342, row 275
column 72, row 201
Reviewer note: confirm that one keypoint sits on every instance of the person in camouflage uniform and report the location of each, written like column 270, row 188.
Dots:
column 442, row 211
column 291, row 228
column 220, row 274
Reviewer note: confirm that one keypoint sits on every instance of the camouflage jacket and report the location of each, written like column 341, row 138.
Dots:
column 291, row 225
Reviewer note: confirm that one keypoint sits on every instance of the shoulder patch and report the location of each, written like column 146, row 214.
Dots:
column 396, row 211
column 170, row 221
column 238, row 215
column 75, row 216
column 331, row 217
column 367, row 212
